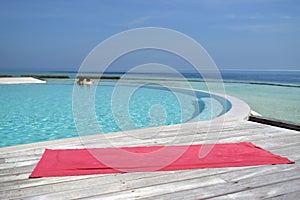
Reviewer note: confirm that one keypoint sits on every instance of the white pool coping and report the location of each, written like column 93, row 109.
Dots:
column 20, row 80
column 239, row 111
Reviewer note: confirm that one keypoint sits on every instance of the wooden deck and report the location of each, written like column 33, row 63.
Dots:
column 259, row 182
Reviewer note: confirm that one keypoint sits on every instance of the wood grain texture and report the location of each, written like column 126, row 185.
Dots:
column 257, row 182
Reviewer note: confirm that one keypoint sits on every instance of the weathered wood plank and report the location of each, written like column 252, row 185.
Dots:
column 132, row 193
column 269, row 191
column 290, row 195
column 111, row 183
column 233, row 188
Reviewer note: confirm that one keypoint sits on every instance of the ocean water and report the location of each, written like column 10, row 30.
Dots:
column 278, row 102
column 273, row 94
column 278, row 77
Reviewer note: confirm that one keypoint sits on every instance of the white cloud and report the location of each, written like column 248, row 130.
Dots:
column 260, row 27
column 138, row 21
column 259, row 16
column 287, row 17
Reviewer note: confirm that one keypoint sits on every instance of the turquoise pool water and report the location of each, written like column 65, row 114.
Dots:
column 40, row 112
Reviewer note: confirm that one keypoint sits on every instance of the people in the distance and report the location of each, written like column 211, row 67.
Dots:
column 89, row 82
column 80, row 81
column 86, row 81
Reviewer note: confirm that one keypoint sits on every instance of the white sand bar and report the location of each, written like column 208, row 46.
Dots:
column 20, row 80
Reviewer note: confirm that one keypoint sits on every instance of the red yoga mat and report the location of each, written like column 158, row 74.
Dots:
column 72, row 162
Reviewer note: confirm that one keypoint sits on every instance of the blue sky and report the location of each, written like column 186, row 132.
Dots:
column 238, row 34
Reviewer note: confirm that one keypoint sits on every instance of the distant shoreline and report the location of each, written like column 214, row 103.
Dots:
column 287, row 78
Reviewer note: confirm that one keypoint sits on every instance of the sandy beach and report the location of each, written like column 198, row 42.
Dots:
column 20, row 80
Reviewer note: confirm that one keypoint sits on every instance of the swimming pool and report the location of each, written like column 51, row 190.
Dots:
column 40, row 112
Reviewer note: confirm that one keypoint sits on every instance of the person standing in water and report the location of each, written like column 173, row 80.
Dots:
column 80, row 81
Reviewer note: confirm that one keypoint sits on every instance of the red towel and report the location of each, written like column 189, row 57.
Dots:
column 71, row 162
